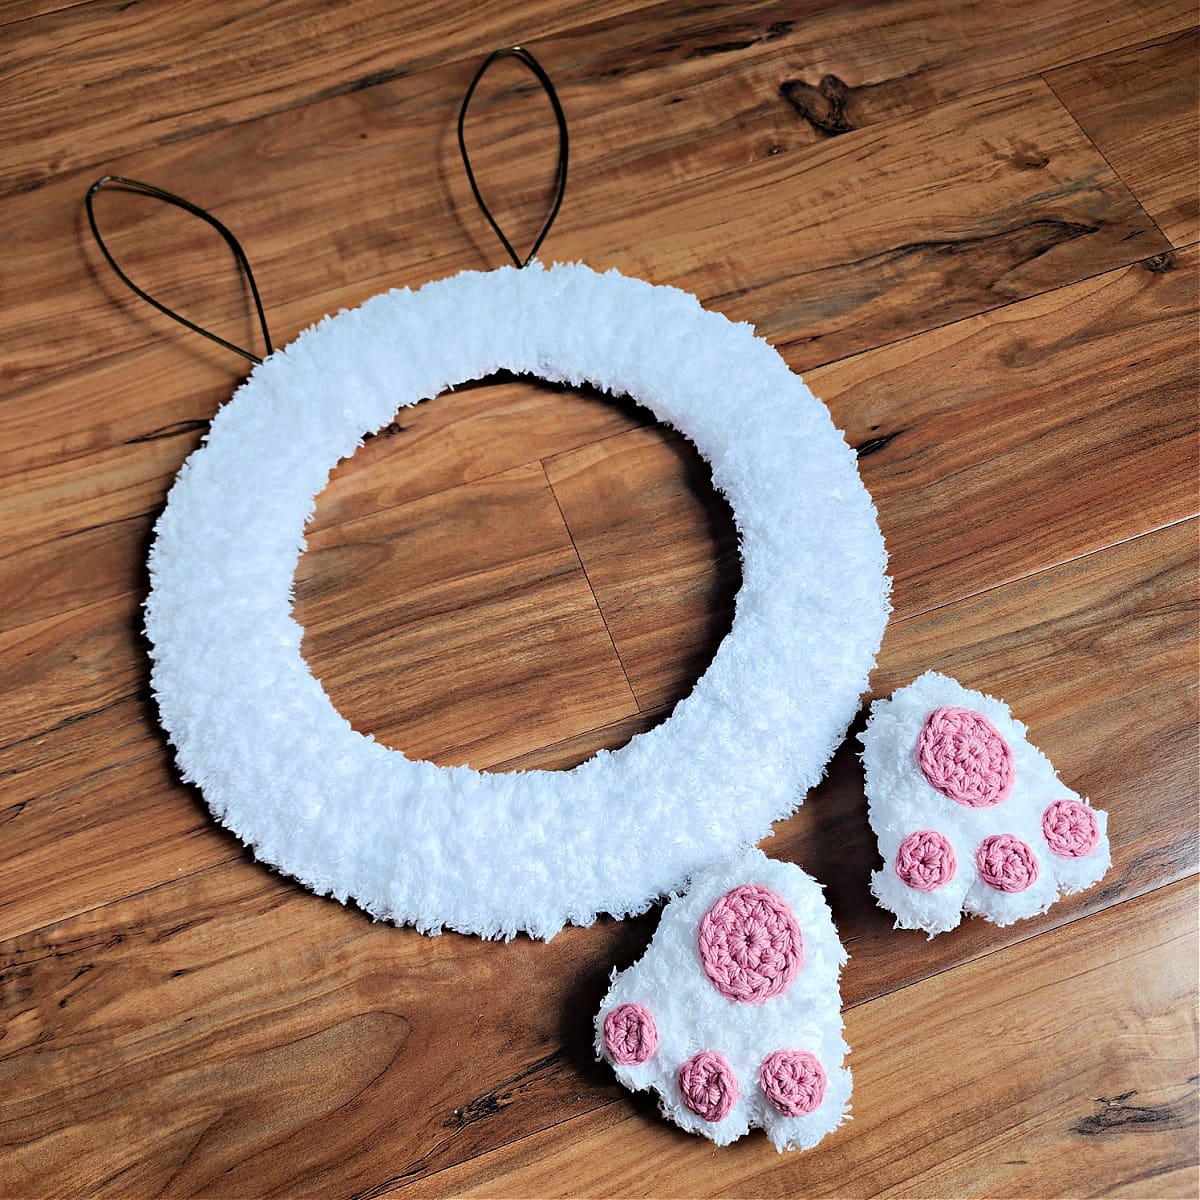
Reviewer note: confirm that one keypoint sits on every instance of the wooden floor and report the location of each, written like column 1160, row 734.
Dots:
column 974, row 228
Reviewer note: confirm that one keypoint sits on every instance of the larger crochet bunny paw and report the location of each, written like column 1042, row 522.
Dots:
column 733, row 1015
column 969, row 815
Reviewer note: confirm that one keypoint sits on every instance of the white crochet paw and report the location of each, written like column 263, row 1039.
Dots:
column 969, row 815
column 733, row 1015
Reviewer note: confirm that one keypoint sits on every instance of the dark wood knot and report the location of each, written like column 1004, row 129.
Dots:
column 823, row 106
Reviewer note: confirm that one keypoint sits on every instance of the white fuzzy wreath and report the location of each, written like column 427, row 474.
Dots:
column 493, row 854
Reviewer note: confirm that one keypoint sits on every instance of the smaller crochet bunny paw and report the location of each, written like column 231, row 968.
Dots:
column 969, row 815
column 733, row 1015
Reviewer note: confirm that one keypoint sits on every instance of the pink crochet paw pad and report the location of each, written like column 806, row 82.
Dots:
column 733, row 1015
column 970, row 815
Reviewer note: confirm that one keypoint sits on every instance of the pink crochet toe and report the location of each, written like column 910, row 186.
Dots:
column 708, row 1085
column 1006, row 863
column 962, row 755
column 1070, row 828
column 793, row 1081
column 630, row 1035
column 750, row 944
column 925, row 860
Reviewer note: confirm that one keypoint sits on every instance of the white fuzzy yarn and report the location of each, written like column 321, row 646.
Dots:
column 901, row 801
column 484, row 853
column 691, row 1016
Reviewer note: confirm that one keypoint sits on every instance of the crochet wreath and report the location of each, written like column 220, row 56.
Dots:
column 494, row 854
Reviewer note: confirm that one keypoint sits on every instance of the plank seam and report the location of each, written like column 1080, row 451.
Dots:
column 1007, row 304
column 1172, row 35
column 348, row 87
column 588, row 581
column 1092, row 142
column 808, row 373
column 384, row 1189
column 1056, row 566
column 895, row 621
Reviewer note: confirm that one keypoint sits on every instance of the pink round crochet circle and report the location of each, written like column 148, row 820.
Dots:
column 1070, row 828
column 1006, row 863
column 630, row 1035
column 925, row 860
column 708, row 1085
column 750, row 944
column 793, row 1081
column 962, row 754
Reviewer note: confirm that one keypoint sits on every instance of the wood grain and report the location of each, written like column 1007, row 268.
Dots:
column 1097, row 658
column 1004, row 444
column 79, row 529
column 252, row 61
column 946, row 216
column 1141, row 107
column 50, row 495
column 1003, row 388
column 846, row 297
column 12, row 11
column 641, row 498
column 461, row 628
column 1037, row 375
column 1092, row 655
column 499, row 1037
column 892, row 59
column 1040, row 1064
column 290, row 214
column 468, row 1034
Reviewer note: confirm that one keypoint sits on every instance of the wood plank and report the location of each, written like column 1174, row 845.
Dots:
column 1076, row 651
column 1141, row 107
column 77, row 530
column 75, row 74
column 985, row 268
column 1114, row 637
column 1118, row 632
column 1007, row 443
column 970, row 440
column 95, row 810
column 570, row 752
column 12, row 11
column 1115, row 354
column 461, row 628
column 176, row 1019
column 1097, row 658
column 661, row 552
column 1065, row 1066
column 73, row 664
column 872, row 234
column 316, row 1021
column 62, row 669
column 762, row 65
column 476, row 431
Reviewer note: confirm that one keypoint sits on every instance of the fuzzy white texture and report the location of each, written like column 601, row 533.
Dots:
column 691, row 1016
column 495, row 854
column 901, row 801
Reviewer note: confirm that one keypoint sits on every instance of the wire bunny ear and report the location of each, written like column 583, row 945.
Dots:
column 148, row 189
column 560, row 186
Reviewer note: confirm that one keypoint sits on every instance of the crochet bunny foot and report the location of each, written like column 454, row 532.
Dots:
column 969, row 815
column 733, row 1015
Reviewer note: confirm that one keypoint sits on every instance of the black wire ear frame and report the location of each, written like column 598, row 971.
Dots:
column 148, row 189
column 560, row 186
